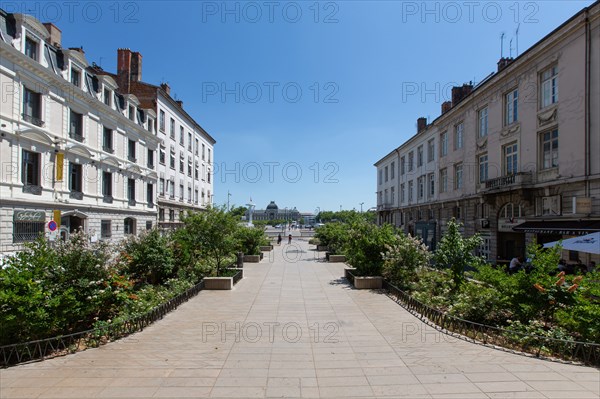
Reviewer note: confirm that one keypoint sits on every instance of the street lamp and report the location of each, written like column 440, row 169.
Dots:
column 228, row 195
column 361, row 205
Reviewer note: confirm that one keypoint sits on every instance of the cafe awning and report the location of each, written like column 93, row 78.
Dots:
column 563, row 227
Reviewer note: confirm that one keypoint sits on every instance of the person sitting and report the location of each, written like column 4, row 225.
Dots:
column 515, row 264
column 592, row 267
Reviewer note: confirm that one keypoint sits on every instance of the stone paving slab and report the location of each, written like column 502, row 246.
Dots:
column 294, row 328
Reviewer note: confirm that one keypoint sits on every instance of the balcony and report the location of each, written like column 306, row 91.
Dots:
column 131, row 158
column 150, row 204
column 508, row 182
column 385, row 207
column 132, row 202
column 76, row 136
column 107, row 199
column 108, row 149
column 150, row 165
column 78, row 195
column 34, row 120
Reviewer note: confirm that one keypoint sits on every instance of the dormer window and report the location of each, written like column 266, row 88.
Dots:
column 150, row 125
column 131, row 113
column 107, row 97
column 76, row 77
column 31, row 48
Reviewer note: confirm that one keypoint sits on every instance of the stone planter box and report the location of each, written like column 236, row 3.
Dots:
column 368, row 283
column 337, row 258
column 223, row 283
column 252, row 258
column 348, row 273
column 266, row 248
column 322, row 248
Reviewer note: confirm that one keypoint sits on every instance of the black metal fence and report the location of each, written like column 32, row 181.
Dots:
column 65, row 344
column 544, row 347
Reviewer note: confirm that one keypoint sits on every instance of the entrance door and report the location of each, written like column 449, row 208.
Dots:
column 511, row 245
column 74, row 223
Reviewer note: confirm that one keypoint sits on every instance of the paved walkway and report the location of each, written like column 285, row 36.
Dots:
column 293, row 328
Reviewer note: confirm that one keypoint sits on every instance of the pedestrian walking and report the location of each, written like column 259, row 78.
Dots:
column 290, row 239
column 279, row 239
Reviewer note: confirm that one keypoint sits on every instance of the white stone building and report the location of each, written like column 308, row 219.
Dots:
column 515, row 158
column 72, row 149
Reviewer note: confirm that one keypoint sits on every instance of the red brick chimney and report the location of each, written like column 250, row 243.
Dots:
column 460, row 92
column 421, row 124
column 124, row 69
column 136, row 67
column 446, row 106
column 180, row 103
column 55, row 34
column 504, row 62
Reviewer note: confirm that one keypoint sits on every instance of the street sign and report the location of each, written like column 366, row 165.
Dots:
column 52, row 226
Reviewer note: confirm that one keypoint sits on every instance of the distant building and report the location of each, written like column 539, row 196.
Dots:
column 515, row 158
column 274, row 213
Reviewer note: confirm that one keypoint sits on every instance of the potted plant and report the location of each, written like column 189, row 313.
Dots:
column 250, row 240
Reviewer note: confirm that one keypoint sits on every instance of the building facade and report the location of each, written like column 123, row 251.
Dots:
column 186, row 150
column 272, row 212
column 73, row 150
column 514, row 158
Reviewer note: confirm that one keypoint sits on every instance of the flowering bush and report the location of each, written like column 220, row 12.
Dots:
column 403, row 258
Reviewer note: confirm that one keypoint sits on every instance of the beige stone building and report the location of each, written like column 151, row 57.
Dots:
column 515, row 158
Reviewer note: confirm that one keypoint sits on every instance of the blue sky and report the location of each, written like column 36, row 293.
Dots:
column 303, row 97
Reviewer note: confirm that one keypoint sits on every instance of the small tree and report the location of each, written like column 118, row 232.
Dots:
column 150, row 257
column 250, row 239
column 366, row 246
column 403, row 258
column 456, row 252
column 211, row 233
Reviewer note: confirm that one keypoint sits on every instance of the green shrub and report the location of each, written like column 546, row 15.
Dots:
column 334, row 236
column 480, row 303
column 250, row 239
column 149, row 257
column 403, row 258
column 433, row 288
column 366, row 246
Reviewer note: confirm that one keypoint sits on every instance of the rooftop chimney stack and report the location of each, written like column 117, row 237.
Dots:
column 504, row 62
column 136, row 67
column 124, row 69
column 460, row 92
column 446, row 106
column 166, row 88
column 55, row 34
column 180, row 103
column 421, row 124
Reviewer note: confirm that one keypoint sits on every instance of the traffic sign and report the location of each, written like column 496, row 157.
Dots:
column 52, row 225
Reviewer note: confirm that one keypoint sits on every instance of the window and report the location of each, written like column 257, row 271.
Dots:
column 151, row 125
column 431, row 150
column 150, row 158
column 162, row 155
column 129, row 226
column 444, row 144
column 190, row 143
column 549, row 86
column 105, row 229
column 483, row 122
column 172, row 129
column 107, row 185
column 161, row 121
column 511, row 107
column 30, row 169
column 181, row 191
column 107, row 140
column 509, row 211
column 189, row 167
column 380, row 176
column 32, row 107
column 208, row 176
column 483, row 168
column 393, row 195
column 208, row 159
column 181, row 136
column 550, row 149
column 131, row 113
column 161, row 187
column 171, row 189
column 107, row 99
column 196, row 147
column 402, row 165
column 76, row 126
column 381, row 198
column 549, row 206
column 172, row 161
column 196, row 172
column 76, row 77
column 511, row 159
column 181, row 164
column 75, row 177
column 150, row 194
column 458, row 176
column 31, row 48
column 189, row 194
column 203, row 149
column 171, row 215
column 420, row 156
column 484, row 247
column 443, row 180
column 393, row 170
column 131, row 191
column 410, row 191
column 28, row 225
column 131, row 150
column 402, row 193
column 161, row 215
column 196, row 196
column 411, row 161
column 421, row 187
column 431, row 185
column 385, row 197
column 458, row 136
column 148, row 224
column 386, row 174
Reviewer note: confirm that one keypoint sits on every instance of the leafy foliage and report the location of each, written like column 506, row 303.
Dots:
column 456, row 252
column 366, row 246
column 334, row 236
column 403, row 258
column 250, row 240
column 149, row 257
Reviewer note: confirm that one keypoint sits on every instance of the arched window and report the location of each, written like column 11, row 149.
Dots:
column 511, row 211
